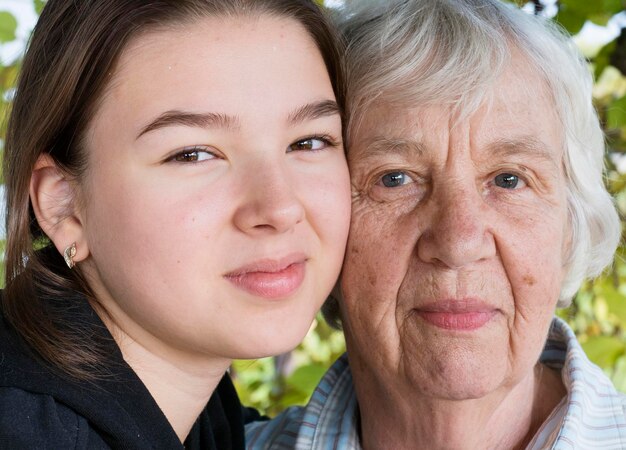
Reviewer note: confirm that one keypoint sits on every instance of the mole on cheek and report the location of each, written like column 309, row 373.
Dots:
column 529, row 280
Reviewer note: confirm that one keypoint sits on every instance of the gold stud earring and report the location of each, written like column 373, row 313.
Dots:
column 68, row 255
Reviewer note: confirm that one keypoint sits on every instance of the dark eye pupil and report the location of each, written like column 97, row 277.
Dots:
column 187, row 156
column 303, row 145
column 393, row 179
column 507, row 181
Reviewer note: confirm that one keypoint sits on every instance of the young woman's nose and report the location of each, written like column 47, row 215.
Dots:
column 271, row 203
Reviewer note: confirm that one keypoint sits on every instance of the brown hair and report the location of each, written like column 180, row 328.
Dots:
column 71, row 56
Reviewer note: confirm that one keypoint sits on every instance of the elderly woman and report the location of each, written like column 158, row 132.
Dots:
column 478, row 207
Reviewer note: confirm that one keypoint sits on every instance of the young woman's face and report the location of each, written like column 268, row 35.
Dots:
column 216, row 201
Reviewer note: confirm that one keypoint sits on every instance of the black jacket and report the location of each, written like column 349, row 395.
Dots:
column 42, row 409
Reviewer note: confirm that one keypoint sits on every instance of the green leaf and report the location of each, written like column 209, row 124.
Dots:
column 39, row 4
column 583, row 7
column 604, row 350
column 616, row 113
column 305, row 378
column 603, row 58
column 294, row 397
column 601, row 19
column 615, row 301
column 619, row 375
column 613, row 6
column 8, row 25
column 571, row 19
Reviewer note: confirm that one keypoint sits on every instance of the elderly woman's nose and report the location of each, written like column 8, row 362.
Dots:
column 269, row 202
column 457, row 233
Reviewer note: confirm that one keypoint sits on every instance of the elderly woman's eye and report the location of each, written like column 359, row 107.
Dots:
column 508, row 181
column 395, row 179
column 193, row 154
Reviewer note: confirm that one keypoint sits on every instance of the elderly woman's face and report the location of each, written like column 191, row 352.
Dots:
column 456, row 251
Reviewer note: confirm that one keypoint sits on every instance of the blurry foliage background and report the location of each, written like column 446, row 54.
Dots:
column 598, row 313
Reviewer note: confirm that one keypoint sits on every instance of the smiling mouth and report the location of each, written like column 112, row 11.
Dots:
column 270, row 279
column 461, row 315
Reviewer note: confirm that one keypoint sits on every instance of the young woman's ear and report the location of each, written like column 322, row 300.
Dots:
column 53, row 201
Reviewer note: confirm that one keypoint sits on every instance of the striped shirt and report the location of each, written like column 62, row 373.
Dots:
column 591, row 416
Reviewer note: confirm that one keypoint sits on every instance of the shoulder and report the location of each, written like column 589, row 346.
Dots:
column 327, row 421
column 594, row 411
column 31, row 415
column 37, row 421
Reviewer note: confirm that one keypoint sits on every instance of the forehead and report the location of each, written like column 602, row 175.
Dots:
column 220, row 63
column 518, row 107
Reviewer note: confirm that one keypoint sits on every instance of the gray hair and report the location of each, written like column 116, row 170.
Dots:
column 422, row 52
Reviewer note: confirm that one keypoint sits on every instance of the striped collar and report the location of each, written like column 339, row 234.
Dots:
column 591, row 416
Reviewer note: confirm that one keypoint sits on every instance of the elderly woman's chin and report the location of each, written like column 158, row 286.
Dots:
column 458, row 358
column 465, row 365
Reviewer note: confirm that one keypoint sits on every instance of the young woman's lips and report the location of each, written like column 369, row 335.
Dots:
column 270, row 278
column 462, row 315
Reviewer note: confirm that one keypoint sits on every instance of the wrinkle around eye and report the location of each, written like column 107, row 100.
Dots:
column 395, row 179
column 410, row 188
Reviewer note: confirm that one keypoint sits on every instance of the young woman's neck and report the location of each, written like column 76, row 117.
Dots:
column 507, row 419
column 180, row 386
column 181, row 383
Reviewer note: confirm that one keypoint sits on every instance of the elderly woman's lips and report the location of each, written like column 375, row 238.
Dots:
column 457, row 314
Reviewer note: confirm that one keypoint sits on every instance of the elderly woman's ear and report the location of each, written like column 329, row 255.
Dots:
column 53, row 198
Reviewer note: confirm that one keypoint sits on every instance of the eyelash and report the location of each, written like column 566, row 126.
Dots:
column 408, row 176
column 522, row 178
column 328, row 141
column 188, row 150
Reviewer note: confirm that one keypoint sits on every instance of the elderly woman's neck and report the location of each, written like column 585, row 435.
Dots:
column 507, row 418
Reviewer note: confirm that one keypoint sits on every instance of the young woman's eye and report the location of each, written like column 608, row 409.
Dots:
column 395, row 179
column 312, row 144
column 508, row 181
column 193, row 154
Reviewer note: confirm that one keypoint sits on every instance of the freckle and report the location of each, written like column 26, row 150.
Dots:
column 193, row 219
column 178, row 262
column 529, row 280
column 355, row 251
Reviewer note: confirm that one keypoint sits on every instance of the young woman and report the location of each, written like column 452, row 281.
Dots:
column 177, row 197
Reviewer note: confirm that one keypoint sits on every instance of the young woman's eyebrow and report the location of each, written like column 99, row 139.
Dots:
column 190, row 119
column 314, row 110
column 309, row 111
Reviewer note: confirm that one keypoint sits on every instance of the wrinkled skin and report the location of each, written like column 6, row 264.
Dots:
column 449, row 211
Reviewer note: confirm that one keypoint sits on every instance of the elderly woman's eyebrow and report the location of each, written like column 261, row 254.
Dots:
column 527, row 146
column 382, row 146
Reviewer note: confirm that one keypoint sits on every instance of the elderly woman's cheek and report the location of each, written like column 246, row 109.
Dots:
column 380, row 246
column 530, row 248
